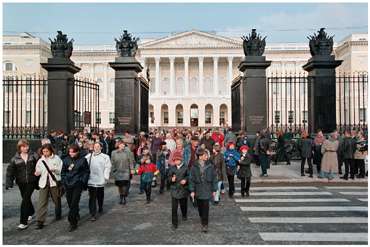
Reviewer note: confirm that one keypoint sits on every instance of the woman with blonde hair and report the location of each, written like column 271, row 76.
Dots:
column 22, row 169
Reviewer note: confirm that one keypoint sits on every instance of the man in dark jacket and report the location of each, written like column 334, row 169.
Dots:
column 75, row 175
column 305, row 146
column 348, row 149
column 203, row 185
column 178, row 177
column 207, row 141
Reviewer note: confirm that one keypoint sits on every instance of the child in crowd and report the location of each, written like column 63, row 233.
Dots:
column 147, row 170
column 244, row 170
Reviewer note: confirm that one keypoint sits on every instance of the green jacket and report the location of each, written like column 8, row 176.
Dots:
column 203, row 184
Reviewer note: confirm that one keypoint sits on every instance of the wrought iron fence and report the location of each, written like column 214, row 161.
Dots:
column 288, row 101
column 25, row 107
column 86, row 104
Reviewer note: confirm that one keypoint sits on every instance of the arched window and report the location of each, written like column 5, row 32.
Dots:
column 9, row 66
column 179, row 114
column 180, row 86
column 164, row 114
column 151, row 114
column 208, row 114
column 194, row 115
column 223, row 114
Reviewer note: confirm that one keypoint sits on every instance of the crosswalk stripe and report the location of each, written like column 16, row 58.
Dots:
column 354, row 193
column 346, row 187
column 362, row 199
column 288, row 193
column 285, row 188
column 293, row 200
column 308, row 209
column 309, row 220
column 314, row 236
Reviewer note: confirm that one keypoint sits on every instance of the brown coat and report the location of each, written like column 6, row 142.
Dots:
column 329, row 162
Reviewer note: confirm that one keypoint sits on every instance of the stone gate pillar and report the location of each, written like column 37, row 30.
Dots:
column 128, row 103
column 251, row 88
column 321, row 83
column 61, row 70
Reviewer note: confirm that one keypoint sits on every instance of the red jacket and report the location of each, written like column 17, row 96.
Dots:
column 147, row 168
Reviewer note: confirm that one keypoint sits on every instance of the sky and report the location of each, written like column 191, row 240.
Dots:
column 100, row 23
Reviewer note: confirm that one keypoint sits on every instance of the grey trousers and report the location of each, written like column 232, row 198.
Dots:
column 42, row 207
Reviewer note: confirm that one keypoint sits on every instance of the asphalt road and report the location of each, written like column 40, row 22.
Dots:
column 273, row 214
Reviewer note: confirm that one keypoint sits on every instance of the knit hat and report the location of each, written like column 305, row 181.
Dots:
column 177, row 156
column 230, row 143
column 244, row 147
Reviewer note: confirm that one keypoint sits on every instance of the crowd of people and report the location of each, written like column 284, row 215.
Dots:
column 192, row 164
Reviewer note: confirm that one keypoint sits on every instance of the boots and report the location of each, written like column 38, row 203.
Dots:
column 120, row 199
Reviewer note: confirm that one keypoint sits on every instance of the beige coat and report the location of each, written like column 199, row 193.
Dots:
column 329, row 162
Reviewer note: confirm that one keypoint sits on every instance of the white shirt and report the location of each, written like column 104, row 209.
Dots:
column 171, row 144
column 100, row 167
column 54, row 163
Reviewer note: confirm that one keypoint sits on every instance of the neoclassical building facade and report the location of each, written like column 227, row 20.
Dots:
column 190, row 73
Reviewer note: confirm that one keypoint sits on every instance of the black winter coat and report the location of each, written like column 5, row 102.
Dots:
column 305, row 147
column 203, row 184
column 178, row 190
column 348, row 147
column 23, row 173
column 245, row 166
column 78, row 175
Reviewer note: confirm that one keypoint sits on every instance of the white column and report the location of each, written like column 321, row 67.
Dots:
column 201, row 87
column 143, row 72
column 215, row 75
column 171, row 114
column 157, row 113
column 106, row 83
column 157, row 79
column 229, row 75
column 216, row 115
column 186, row 77
column 172, row 76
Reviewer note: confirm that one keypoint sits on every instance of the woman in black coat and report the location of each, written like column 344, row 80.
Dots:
column 75, row 175
column 22, row 169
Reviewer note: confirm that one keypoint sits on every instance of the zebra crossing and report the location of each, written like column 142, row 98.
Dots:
column 307, row 214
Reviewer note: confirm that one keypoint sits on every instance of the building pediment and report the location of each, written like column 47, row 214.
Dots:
column 192, row 39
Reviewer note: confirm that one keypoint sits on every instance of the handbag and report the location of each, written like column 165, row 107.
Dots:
column 59, row 183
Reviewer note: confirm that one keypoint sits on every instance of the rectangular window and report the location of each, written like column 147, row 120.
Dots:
column 28, row 117
column 290, row 116
column 6, row 118
column 277, row 117
column 179, row 117
column 362, row 114
column 305, row 116
column 8, row 66
column 208, row 117
column 111, row 117
column 28, row 85
column 165, row 117
column 275, row 88
column 152, row 117
column 222, row 118
column 98, row 117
